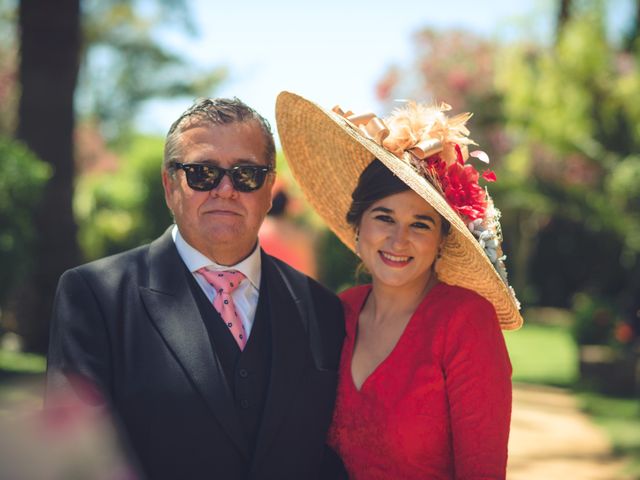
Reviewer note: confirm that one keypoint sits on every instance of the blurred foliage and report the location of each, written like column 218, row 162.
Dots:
column 573, row 113
column 19, row 362
column 8, row 71
column 126, row 61
column 336, row 263
column 456, row 67
column 123, row 209
column 598, row 322
column 21, row 182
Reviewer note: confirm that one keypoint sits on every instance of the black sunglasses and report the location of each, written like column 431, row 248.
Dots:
column 204, row 177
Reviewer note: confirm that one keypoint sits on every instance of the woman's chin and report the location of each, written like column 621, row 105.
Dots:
column 400, row 280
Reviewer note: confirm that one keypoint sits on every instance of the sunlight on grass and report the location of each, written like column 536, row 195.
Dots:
column 21, row 362
column 543, row 354
column 620, row 419
column 547, row 354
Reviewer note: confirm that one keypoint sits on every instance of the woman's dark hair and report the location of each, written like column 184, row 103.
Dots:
column 376, row 182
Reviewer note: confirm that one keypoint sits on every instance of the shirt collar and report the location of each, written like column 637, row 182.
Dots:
column 250, row 267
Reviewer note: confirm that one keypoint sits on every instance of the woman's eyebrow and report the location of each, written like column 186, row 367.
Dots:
column 425, row 217
column 382, row 209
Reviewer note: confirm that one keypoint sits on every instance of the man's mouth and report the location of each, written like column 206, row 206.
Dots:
column 222, row 212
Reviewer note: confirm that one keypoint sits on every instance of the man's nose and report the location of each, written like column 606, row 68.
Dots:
column 225, row 188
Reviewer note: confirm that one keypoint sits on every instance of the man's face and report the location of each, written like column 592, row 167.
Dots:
column 222, row 223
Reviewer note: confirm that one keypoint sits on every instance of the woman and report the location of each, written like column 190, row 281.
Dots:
column 424, row 382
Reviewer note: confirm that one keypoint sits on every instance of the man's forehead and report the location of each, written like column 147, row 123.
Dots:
column 238, row 142
column 249, row 129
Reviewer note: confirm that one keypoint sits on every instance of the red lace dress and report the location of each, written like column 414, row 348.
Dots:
column 439, row 406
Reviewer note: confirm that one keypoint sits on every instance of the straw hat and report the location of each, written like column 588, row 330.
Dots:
column 328, row 150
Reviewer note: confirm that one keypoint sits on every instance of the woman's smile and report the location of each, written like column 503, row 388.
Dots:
column 397, row 261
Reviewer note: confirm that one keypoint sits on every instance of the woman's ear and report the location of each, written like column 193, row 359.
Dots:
column 443, row 240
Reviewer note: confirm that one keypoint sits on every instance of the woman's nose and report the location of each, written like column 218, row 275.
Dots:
column 400, row 237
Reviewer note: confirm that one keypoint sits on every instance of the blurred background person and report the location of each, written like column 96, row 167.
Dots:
column 283, row 238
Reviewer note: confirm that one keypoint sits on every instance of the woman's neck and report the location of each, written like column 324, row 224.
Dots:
column 388, row 301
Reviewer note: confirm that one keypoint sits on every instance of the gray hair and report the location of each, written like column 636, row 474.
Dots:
column 215, row 111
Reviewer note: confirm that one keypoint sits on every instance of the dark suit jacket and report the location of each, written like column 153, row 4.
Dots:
column 130, row 324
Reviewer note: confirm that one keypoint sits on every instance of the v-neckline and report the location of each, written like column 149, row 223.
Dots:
column 393, row 350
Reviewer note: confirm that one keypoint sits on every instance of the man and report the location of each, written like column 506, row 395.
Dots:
column 207, row 380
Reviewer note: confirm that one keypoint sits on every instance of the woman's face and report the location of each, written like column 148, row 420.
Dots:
column 399, row 238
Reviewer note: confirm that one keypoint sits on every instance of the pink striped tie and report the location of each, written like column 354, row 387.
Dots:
column 225, row 283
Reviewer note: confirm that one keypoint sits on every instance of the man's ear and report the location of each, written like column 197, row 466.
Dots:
column 270, row 182
column 168, row 186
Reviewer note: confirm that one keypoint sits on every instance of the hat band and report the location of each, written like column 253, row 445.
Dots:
column 375, row 129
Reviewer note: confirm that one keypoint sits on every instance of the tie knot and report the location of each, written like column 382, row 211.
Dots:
column 224, row 282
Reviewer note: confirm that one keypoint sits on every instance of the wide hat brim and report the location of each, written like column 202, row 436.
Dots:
column 327, row 154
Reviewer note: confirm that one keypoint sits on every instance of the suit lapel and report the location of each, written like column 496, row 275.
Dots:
column 172, row 308
column 290, row 355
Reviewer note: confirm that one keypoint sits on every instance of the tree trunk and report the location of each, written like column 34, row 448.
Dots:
column 564, row 13
column 631, row 41
column 50, row 45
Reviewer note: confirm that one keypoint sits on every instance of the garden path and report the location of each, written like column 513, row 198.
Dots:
column 552, row 439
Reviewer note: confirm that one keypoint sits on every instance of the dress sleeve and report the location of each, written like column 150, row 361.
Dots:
column 78, row 366
column 478, row 382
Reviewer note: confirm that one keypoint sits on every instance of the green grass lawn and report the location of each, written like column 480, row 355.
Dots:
column 547, row 354
column 21, row 381
column 17, row 362
column 620, row 419
column 543, row 354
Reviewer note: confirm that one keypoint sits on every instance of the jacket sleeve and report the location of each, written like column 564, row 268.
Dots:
column 478, row 381
column 78, row 361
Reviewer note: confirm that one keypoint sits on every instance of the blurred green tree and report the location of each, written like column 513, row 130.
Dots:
column 126, row 63
column 573, row 113
column 8, row 72
column 23, row 177
column 123, row 209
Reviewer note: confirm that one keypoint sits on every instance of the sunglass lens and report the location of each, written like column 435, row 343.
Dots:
column 203, row 177
column 249, row 178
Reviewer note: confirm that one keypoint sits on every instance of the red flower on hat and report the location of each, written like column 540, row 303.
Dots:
column 460, row 186
column 437, row 165
column 489, row 176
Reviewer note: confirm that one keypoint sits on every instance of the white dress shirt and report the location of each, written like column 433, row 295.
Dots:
column 245, row 296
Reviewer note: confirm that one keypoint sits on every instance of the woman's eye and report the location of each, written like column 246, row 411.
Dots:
column 422, row 226
column 384, row 218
